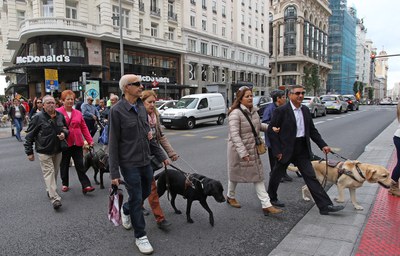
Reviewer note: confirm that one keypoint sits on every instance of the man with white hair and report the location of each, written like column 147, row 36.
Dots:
column 129, row 151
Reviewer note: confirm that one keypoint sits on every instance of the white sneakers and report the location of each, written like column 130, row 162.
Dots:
column 126, row 220
column 144, row 245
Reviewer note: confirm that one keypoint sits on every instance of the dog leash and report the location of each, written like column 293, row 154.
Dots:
column 324, row 181
column 188, row 177
column 336, row 154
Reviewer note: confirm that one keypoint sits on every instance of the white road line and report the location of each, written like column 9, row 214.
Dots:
column 319, row 122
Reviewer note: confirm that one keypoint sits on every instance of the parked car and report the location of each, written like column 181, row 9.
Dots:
column 352, row 101
column 386, row 101
column 334, row 103
column 315, row 105
column 195, row 109
column 261, row 102
column 163, row 105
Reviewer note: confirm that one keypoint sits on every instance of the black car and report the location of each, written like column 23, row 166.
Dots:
column 261, row 102
column 353, row 102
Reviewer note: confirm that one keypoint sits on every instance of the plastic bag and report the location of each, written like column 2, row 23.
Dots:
column 103, row 139
column 114, row 205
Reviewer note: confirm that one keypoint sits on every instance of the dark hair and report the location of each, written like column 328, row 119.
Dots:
column 277, row 94
column 291, row 88
column 239, row 96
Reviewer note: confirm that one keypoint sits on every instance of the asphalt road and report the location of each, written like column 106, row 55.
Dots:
column 29, row 225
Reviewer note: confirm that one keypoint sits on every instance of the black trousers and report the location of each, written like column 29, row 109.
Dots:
column 301, row 159
column 77, row 155
column 92, row 127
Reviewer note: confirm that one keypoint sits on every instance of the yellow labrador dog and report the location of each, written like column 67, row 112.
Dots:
column 348, row 174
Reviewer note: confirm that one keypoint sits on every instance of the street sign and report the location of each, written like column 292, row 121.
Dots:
column 51, row 79
column 92, row 89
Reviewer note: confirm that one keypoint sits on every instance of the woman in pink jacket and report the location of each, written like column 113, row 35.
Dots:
column 77, row 130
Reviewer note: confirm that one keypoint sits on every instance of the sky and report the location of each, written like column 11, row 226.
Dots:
column 381, row 19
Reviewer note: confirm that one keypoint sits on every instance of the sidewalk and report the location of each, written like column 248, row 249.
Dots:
column 351, row 232
column 5, row 132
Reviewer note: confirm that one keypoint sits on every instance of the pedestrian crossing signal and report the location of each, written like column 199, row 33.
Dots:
column 80, row 87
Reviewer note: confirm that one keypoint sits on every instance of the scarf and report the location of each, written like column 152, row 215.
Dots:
column 152, row 119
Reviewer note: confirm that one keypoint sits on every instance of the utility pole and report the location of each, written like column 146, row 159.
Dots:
column 121, row 40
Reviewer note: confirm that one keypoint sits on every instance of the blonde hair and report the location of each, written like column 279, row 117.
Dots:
column 148, row 93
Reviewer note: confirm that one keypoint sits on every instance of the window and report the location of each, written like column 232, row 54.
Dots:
column 214, row 6
column 192, row 20
column 124, row 19
column 223, row 10
column 214, row 28
column 141, row 26
column 242, row 38
column 73, row 49
column 203, row 48
column 233, row 57
column 47, row 8
column 192, row 45
column 249, row 57
column 154, row 29
column 71, row 10
column 171, row 33
column 99, row 14
column 249, row 40
column 241, row 56
column 49, row 49
column 204, row 4
column 223, row 31
column 289, row 46
column 32, row 50
column 204, row 25
column 214, row 50
column 224, row 52
column 20, row 17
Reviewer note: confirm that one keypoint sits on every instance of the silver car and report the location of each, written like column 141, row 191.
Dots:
column 163, row 105
column 315, row 105
column 334, row 103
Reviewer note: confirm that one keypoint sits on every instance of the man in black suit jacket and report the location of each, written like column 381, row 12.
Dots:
column 291, row 144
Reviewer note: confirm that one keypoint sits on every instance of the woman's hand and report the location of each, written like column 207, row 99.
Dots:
column 246, row 158
column 276, row 129
column 174, row 157
column 150, row 135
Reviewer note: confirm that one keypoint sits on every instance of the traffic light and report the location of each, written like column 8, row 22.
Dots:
column 80, row 87
column 372, row 58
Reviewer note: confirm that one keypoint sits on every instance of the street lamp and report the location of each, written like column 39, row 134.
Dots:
column 121, row 39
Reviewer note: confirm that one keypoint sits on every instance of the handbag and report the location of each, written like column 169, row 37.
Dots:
column 103, row 139
column 260, row 144
column 115, row 200
column 155, row 163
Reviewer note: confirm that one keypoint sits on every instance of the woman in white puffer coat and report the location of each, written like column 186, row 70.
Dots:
column 244, row 163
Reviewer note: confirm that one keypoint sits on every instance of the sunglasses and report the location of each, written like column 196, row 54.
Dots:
column 135, row 84
column 243, row 87
column 38, row 102
column 298, row 93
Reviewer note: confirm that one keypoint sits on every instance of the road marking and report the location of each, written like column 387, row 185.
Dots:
column 319, row 122
column 210, row 137
column 188, row 135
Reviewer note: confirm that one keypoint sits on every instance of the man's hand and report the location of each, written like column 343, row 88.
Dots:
column 166, row 162
column 326, row 149
column 279, row 157
column 31, row 157
column 115, row 182
column 61, row 136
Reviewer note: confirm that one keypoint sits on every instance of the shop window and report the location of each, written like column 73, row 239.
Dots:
column 74, row 49
column 49, row 49
column 32, row 50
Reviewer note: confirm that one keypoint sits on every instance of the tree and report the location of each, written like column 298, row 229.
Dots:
column 311, row 79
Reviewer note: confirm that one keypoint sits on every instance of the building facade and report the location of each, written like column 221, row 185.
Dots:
column 381, row 68
column 178, row 47
column 342, row 48
column 298, row 42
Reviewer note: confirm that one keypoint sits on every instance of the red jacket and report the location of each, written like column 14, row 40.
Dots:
column 77, row 128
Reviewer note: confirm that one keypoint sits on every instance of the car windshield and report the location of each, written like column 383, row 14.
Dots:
column 256, row 100
column 188, row 103
column 328, row 98
column 306, row 100
column 159, row 103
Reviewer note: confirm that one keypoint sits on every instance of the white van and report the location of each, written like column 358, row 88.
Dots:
column 195, row 109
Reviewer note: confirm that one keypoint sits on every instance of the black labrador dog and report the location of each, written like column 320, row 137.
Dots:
column 192, row 187
column 99, row 162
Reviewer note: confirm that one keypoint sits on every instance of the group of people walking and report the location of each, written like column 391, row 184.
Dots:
column 135, row 135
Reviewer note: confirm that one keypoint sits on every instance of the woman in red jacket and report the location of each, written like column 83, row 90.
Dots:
column 77, row 130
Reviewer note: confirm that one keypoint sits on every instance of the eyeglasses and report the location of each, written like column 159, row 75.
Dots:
column 135, row 84
column 243, row 87
column 37, row 102
column 298, row 93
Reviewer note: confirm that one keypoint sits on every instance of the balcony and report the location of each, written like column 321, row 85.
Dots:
column 141, row 6
column 155, row 11
column 172, row 16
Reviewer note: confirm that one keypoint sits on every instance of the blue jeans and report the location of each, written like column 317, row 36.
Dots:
column 138, row 184
column 18, row 127
column 396, row 170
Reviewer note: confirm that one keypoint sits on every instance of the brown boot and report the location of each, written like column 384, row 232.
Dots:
column 271, row 210
column 232, row 202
